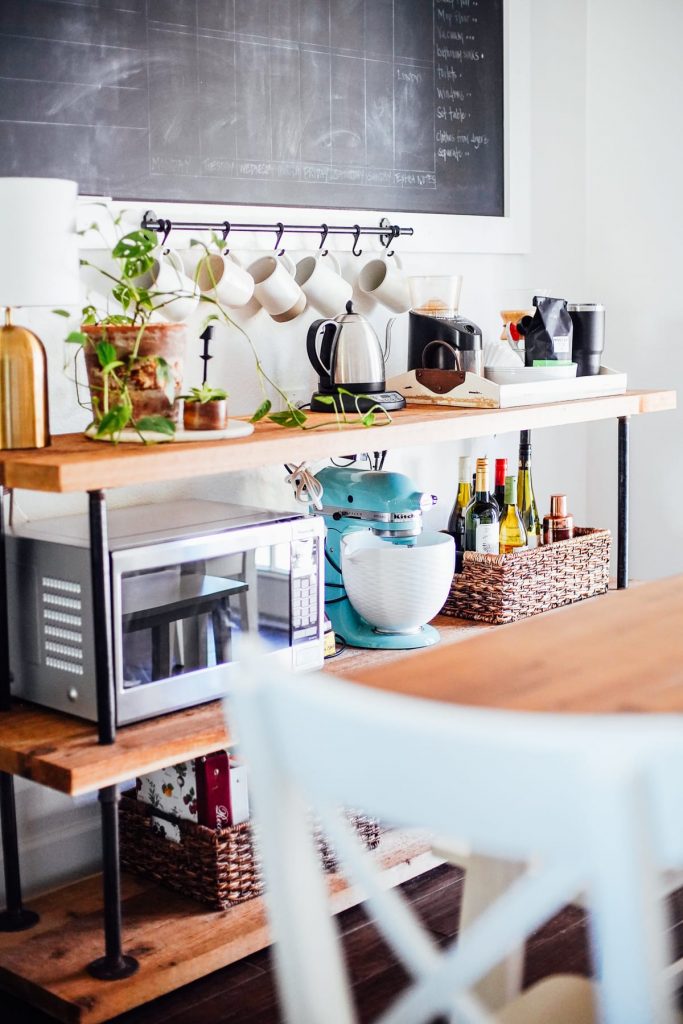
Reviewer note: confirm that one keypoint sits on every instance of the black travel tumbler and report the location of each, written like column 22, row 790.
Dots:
column 588, row 339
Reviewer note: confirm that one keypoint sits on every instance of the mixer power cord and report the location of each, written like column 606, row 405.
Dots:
column 307, row 488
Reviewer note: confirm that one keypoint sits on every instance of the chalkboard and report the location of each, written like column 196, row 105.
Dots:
column 366, row 104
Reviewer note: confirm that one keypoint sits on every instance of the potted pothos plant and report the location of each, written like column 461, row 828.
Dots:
column 134, row 361
column 205, row 408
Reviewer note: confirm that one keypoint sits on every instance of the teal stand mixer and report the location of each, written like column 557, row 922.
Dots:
column 388, row 504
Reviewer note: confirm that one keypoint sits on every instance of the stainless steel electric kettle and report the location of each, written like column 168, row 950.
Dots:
column 350, row 358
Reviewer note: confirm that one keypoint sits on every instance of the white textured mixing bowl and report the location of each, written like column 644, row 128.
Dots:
column 395, row 587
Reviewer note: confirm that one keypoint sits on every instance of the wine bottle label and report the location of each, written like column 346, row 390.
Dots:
column 487, row 538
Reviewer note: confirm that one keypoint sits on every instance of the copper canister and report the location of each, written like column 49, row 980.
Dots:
column 558, row 524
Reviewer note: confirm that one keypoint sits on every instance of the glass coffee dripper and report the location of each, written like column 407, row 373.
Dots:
column 515, row 303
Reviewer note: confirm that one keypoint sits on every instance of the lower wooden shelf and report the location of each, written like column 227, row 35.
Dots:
column 175, row 940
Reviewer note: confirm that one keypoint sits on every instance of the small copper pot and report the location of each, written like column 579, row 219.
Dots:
column 211, row 415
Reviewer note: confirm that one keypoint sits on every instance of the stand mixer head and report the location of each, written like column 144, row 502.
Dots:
column 389, row 505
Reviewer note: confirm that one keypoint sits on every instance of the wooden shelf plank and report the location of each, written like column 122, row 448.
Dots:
column 62, row 752
column 175, row 940
column 75, row 463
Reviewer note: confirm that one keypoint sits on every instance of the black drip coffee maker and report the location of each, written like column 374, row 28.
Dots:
column 438, row 338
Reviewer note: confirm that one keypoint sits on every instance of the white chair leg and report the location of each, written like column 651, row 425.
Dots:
column 303, row 930
column 486, row 878
column 626, row 910
column 311, row 975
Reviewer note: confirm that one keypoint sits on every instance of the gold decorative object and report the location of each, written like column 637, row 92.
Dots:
column 24, row 420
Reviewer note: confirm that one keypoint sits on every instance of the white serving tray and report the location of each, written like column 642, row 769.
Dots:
column 607, row 382
column 480, row 393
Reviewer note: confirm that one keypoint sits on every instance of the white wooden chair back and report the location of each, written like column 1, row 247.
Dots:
column 573, row 793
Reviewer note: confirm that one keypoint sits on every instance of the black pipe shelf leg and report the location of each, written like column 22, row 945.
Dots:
column 101, row 603
column 623, row 504
column 15, row 917
column 114, row 964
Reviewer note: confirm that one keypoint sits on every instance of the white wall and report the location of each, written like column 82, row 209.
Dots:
column 634, row 256
column 556, row 50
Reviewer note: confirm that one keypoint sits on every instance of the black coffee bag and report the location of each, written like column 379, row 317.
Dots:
column 548, row 338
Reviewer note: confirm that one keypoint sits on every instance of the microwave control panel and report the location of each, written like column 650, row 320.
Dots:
column 305, row 588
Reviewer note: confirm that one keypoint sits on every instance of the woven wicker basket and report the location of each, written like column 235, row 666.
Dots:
column 504, row 588
column 218, row 867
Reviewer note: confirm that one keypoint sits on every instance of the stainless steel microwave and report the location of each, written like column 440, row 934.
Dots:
column 189, row 580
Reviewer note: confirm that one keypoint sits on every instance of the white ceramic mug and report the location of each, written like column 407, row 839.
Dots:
column 276, row 289
column 319, row 277
column 168, row 275
column 222, row 278
column 383, row 279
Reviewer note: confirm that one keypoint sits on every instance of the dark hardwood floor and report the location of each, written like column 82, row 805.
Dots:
column 245, row 994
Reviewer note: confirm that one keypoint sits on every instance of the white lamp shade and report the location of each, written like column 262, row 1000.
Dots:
column 38, row 243
column 30, row 205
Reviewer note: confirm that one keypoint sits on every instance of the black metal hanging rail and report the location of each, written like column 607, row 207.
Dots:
column 384, row 230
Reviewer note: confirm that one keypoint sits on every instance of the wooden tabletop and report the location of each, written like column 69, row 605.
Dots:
column 75, row 463
column 622, row 652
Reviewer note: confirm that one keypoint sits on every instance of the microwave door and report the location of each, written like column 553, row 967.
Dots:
column 179, row 623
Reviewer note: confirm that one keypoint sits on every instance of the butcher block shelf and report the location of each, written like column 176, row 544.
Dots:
column 174, row 939
column 75, row 463
column 62, row 752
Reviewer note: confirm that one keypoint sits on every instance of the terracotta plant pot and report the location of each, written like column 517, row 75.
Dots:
column 146, row 390
column 212, row 415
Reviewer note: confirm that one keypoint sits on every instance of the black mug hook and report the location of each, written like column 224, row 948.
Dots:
column 323, row 233
column 150, row 221
column 280, row 233
column 394, row 233
column 356, row 236
column 166, row 227
column 226, row 232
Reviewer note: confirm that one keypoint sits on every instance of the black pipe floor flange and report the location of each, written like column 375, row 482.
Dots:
column 113, row 969
column 18, row 920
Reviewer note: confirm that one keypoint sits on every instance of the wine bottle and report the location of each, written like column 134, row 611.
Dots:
column 456, row 522
column 481, row 515
column 499, row 490
column 526, row 502
column 512, row 532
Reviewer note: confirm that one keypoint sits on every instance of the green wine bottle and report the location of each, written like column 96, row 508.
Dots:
column 481, row 515
column 526, row 502
column 456, row 522
column 512, row 532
